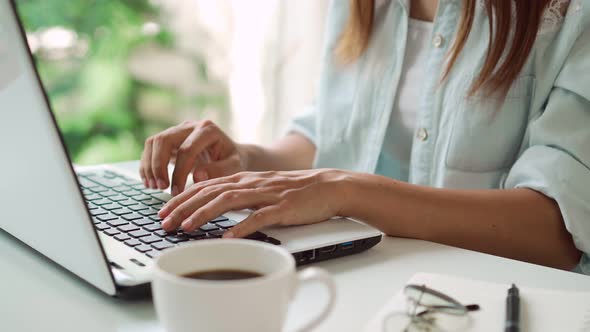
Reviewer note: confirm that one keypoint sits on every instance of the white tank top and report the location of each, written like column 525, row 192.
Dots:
column 400, row 133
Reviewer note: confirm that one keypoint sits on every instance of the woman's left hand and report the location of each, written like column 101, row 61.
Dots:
column 278, row 198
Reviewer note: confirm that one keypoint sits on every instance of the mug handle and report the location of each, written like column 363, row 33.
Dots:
column 314, row 274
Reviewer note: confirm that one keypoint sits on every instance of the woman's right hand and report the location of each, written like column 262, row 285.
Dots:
column 199, row 147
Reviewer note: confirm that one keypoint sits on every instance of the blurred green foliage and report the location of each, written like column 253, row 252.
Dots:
column 93, row 95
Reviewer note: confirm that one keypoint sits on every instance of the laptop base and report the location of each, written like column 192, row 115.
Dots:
column 143, row 291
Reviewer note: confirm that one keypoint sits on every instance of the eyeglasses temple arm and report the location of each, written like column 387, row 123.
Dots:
column 469, row 307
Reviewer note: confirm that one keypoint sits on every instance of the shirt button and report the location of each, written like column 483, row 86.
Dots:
column 422, row 134
column 438, row 41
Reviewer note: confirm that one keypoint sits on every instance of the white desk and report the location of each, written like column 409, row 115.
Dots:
column 36, row 295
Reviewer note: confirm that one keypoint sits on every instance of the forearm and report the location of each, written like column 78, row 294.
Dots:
column 292, row 152
column 519, row 223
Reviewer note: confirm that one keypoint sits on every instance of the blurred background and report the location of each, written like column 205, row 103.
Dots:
column 119, row 71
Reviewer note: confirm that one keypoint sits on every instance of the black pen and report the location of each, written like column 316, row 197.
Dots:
column 512, row 310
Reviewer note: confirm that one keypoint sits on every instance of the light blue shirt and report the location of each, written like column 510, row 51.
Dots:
column 539, row 138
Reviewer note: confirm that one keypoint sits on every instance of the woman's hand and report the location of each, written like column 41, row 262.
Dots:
column 278, row 198
column 199, row 147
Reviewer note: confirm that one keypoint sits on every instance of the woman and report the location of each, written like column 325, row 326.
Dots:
column 426, row 126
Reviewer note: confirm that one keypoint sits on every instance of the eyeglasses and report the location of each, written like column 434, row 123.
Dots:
column 429, row 310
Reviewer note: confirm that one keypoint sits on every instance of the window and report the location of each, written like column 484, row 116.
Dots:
column 119, row 71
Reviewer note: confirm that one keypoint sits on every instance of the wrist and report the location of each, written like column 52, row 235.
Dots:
column 344, row 191
column 361, row 195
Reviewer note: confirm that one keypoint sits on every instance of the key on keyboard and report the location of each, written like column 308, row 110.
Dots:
column 133, row 217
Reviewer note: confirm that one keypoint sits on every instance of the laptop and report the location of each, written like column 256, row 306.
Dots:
column 99, row 222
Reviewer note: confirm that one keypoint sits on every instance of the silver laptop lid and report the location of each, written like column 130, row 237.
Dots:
column 41, row 202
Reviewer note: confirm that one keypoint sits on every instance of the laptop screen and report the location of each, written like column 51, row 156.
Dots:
column 45, row 208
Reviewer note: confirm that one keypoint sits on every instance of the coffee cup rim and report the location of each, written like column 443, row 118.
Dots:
column 280, row 273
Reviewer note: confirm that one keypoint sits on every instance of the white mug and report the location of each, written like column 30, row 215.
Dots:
column 259, row 304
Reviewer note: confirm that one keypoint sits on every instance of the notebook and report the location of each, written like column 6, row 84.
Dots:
column 541, row 309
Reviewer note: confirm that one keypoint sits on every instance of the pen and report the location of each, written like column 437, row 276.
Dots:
column 512, row 310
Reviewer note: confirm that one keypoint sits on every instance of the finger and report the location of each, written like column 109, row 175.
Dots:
column 200, row 175
column 259, row 219
column 161, row 152
column 146, row 166
column 227, row 201
column 163, row 147
column 173, row 155
column 188, row 152
column 176, row 201
column 216, row 169
column 196, row 201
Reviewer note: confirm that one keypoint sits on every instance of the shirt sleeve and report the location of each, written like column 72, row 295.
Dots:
column 557, row 160
column 305, row 124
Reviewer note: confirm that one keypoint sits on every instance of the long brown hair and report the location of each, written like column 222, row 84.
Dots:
column 505, row 59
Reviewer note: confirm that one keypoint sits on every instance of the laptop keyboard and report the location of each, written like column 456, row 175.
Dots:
column 125, row 210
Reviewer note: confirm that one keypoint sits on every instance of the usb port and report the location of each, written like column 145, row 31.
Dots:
column 347, row 245
column 327, row 250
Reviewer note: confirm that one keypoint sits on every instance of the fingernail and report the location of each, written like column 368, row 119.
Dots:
column 152, row 183
column 175, row 190
column 166, row 222
column 229, row 235
column 161, row 184
column 202, row 176
column 163, row 211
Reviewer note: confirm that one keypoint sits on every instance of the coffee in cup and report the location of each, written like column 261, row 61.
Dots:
column 230, row 285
